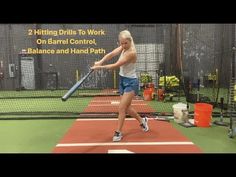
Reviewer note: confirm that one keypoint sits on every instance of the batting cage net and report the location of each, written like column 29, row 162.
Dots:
column 39, row 63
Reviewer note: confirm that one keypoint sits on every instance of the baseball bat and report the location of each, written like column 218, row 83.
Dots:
column 76, row 86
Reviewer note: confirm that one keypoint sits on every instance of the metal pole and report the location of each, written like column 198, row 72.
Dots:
column 232, row 84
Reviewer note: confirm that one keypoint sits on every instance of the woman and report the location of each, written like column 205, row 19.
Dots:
column 128, row 86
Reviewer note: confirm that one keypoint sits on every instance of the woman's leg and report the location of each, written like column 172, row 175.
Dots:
column 133, row 113
column 142, row 121
column 125, row 103
column 124, row 107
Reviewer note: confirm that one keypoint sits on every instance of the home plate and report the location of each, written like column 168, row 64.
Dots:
column 118, row 151
column 115, row 102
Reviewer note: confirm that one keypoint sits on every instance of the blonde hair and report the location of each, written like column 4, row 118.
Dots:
column 125, row 34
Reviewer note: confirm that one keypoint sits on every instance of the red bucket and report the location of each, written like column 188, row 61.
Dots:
column 149, row 85
column 202, row 114
column 147, row 94
column 152, row 87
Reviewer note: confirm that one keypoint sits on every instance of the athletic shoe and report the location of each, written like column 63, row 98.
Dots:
column 117, row 136
column 144, row 124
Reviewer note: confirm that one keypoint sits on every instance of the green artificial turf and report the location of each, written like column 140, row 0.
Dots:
column 210, row 140
column 31, row 136
column 44, row 105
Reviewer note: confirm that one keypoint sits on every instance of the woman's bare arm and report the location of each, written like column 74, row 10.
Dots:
column 109, row 56
column 130, row 57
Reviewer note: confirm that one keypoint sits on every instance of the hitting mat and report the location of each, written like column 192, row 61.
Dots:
column 95, row 136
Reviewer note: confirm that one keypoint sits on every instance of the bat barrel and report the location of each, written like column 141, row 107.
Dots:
column 75, row 87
